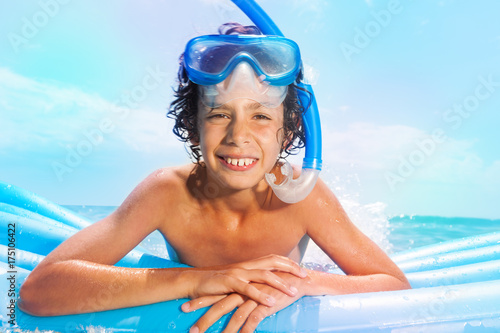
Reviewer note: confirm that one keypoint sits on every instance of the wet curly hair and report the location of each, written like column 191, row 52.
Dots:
column 184, row 109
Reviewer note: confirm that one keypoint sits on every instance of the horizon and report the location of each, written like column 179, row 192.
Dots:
column 389, row 217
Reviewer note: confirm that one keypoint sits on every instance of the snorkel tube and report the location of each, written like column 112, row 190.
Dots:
column 292, row 190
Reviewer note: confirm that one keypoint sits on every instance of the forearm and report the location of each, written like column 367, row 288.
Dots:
column 77, row 286
column 322, row 283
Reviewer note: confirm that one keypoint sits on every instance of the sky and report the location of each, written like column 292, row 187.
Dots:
column 408, row 92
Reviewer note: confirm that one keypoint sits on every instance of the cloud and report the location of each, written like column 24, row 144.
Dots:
column 368, row 145
column 375, row 150
column 38, row 115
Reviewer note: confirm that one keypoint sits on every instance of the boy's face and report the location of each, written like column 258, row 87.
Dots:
column 240, row 141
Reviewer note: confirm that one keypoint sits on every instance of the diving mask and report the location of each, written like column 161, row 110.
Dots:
column 210, row 59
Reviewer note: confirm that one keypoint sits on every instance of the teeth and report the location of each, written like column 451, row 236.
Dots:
column 240, row 162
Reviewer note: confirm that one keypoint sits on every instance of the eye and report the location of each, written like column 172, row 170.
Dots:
column 262, row 117
column 217, row 116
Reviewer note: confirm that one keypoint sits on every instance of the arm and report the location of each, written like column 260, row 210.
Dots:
column 78, row 276
column 366, row 266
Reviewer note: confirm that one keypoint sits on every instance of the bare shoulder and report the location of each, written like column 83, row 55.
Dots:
column 171, row 178
column 166, row 181
column 321, row 193
column 157, row 192
column 320, row 205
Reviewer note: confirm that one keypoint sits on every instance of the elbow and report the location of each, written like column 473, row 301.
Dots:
column 403, row 282
column 33, row 301
column 28, row 300
column 407, row 285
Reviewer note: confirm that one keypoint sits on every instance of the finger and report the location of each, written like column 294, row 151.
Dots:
column 217, row 310
column 240, row 316
column 254, row 319
column 246, row 289
column 287, row 265
column 276, row 262
column 271, row 279
column 201, row 302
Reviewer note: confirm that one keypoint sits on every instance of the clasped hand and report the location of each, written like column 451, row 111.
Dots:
column 258, row 288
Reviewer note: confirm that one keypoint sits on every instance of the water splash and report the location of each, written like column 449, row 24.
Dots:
column 371, row 219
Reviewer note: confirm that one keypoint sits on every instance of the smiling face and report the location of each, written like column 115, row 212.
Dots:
column 240, row 141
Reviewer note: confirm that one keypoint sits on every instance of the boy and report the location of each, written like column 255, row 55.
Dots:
column 219, row 215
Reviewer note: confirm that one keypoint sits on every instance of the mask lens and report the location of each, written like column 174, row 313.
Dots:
column 274, row 59
column 210, row 59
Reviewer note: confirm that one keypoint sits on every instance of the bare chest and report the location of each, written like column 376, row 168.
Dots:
column 205, row 239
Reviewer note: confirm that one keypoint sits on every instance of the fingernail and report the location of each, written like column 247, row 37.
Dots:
column 185, row 307
column 270, row 300
column 294, row 290
column 303, row 272
column 194, row 329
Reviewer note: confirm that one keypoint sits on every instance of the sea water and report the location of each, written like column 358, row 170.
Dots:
column 392, row 234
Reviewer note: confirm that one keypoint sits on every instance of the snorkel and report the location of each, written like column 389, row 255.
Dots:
column 292, row 190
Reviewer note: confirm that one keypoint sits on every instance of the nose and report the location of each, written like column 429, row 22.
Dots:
column 238, row 132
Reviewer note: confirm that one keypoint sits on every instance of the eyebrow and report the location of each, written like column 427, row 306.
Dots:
column 251, row 106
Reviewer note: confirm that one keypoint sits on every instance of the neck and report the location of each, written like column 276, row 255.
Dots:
column 223, row 199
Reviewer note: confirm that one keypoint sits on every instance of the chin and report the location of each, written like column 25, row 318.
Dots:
column 241, row 183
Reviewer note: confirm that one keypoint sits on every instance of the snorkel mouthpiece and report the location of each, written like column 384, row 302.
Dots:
column 293, row 190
